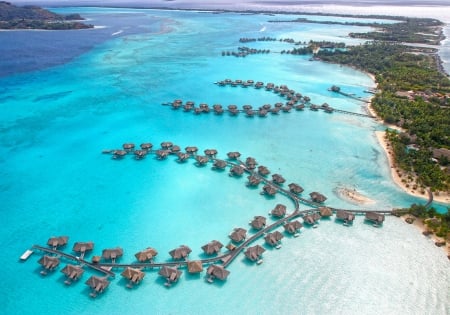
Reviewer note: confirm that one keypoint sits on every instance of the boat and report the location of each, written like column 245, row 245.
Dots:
column 278, row 246
column 26, row 254
column 259, row 262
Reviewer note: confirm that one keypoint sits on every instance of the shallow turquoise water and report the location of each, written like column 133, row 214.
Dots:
column 55, row 181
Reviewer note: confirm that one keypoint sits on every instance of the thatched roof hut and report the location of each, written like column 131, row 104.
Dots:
column 325, row 211
column 128, row 146
column 258, row 222
column 97, row 284
column 133, row 274
column 238, row 235
column 146, row 146
column 278, row 179
column 217, row 271
column 112, row 253
column 317, row 197
column 117, row 154
column 253, row 180
column 140, row 154
column 262, row 112
column 191, row 150
column 375, row 217
column 183, row 157
column 219, row 164
column 311, row 218
column 49, row 262
column 56, row 242
column 236, row 170
column 195, row 266
column 273, row 238
column 254, row 252
column 72, row 272
column 293, row 226
column 166, row 145
column 269, row 190
column 233, row 155
column 279, row 210
column 262, row 170
column 201, row 160
column 172, row 274
column 181, row 252
column 250, row 163
column 162, row 154
column 295, row 188
column 212, row 247
column 146, row 255
column 345, row 215
column 210, row 152
column 175, row 149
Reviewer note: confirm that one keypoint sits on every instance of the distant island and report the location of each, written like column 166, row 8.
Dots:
column 34, row 17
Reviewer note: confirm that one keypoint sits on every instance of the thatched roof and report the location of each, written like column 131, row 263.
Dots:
column 218, row 271
column 146, row 146
column 309, row 219
column 166, row 145
column 82, row 247
column 201, row 159
column 171, row 273
column 262, row 170
column 233, row 155
column 325, row 212
column 253, row 180
column 162, row 153
column 220, row 164
column 375, row 216
column 98, row 283
column 293, row 226
column 269, row 190
column 57, row 241
column 191, row 149
column 295, row 188
column 181, row 252
column 49, row 262
column 195, row 266
column 277, row 178
column 345, row 215
column 317, row 197
column 210, row 152
column 112, row 253
column 273, row 238
column 133, row 274
column 254, row 252
column 72, row 271
column 147, row 254
column 237, row 170
column 279, row 210
column 212, row 247
column 258, row 222
column 238, row 234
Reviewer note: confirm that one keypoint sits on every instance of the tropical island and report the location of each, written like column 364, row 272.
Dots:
column 34, row 17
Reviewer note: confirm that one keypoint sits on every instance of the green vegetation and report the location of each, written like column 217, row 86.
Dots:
column 33, row 17
column 438, row 223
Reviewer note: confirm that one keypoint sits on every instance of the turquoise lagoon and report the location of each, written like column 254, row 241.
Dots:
column 55, row 181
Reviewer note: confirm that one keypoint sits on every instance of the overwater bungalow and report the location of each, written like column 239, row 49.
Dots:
column 187, row 107
column 201, row 160
column 219, row 165
column 217, row 271
column 195, row 266
column 262, row 170
column 210, row 152
column 233, row 110
column 238, row 235
column 293, row 227
column 311, row 219
column 72, row 272
column 233, row 155
column 286, row 108
column 147, row 254
column 236, row 170
column 198, row 110
column 325, row 211
column 275, row 110
column 218, row 109
column 345, row 216
column 128, row 146
column 140, row 154
column 253, row 180
column 259, row 85
column 212, row 247
column 306, row 99
column 295, row 188
column 375, row 217
column 166, row 145
column 83, row 247
column 266, row 106
column 247, row 107
column 146, row 146
column 191, row 150
column 258, row 222
column 278, row 105
column 278, row 179
column 118, row 154
column 251, row 82
column 279, row 210
column 250, row 163
column 175, row 149
column 183, row 157
column 204, row 108
column 49, row 263
column 112, row 253
column 162, row 154
column 262, row 113
column 59, row 241
column 134, row 275
column 300, row 107
column 172, row 274
column 269, row 190
column 97, row 284
column 181, row 252
column 254, row 253
column 273, row 238
column 176, row 105
column 314, row 107
column 317, row 197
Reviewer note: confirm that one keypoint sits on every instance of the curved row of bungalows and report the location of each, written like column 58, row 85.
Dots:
column 254, row 253
column 147, row 254
column 72, row 272
column 216, row 271
column 48, row 263
column 97, row 285
column 171, row 274
column 181, row 252
column 253, row 180
column 279, row 211
column 212, row 247
column 269, row 190
column 317, row 197
column 295, row 188
column 56, row 242
column 238, row 235
column 134, row 276
column 345, row 216
column 375, row 217
column 274, row 238
column 258, row 222
column 293, row 227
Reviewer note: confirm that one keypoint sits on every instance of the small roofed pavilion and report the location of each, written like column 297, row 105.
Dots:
column 279, row 210
column 134, row 275
column 58, row 241
column 325, row 211
column 146, row 255
column 97, row 284
column 217, row 271
column 212, row 247
column 317, row 197
column 238, row 235
column 181, row 252
column 253, row 180
column 269, row 190
column 112, row 253
column 72, row 272
column 233, row 155
column 293, row 226
column 311, row 218
column 195, row 266
column 278, row 179
column 219, row 164
column 236, row 170
column 295, row 188
column 345, row 216
column 201, row 160
column 262, row 170
column 258, row 222
column 172, row 274
column 375, row 217
column 49, row 263
column 191, row 150
column 254, row 252
column 273, row 238
column 83, row 247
